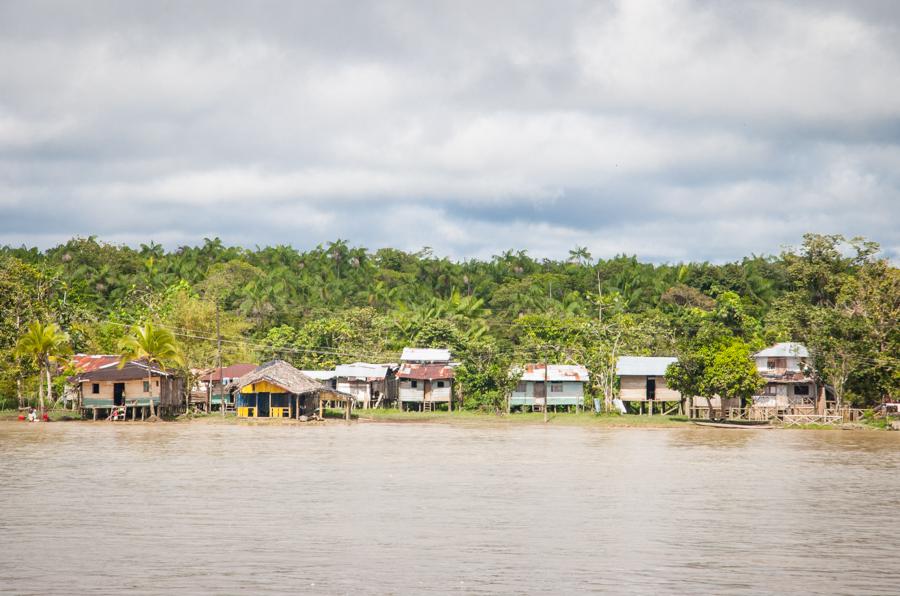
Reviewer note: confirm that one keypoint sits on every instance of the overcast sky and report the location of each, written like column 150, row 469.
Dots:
column 674, row 130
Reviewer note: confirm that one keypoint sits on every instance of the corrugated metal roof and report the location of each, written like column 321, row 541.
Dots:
column 232, row 371
column 643, row 365
column 361, row 370
column 555, row 372
column 132, row 371
column 425, row 355
column 90, row 362
column 784, row 349
column 425, row 372
column 320, row 375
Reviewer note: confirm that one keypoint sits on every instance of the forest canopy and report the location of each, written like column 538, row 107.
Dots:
column 339, row 303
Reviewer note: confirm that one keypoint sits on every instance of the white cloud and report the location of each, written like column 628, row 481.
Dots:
column 677, row 130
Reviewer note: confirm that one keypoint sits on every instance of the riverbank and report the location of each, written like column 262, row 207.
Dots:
column 375, row 416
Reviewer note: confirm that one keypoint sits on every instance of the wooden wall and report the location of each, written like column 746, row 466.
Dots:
column 634, row 388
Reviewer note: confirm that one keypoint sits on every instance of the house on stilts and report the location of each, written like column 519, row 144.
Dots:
column 126, row 392
column 550, row 385
column 642, row 381
column 278, row 390
column 425, row 379
column 373, row 385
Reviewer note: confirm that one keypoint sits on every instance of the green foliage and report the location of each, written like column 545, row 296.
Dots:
column 340, row 303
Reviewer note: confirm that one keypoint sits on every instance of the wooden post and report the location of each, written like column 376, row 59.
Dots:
column 95, row 414
column 321, row 408
column 133, row 413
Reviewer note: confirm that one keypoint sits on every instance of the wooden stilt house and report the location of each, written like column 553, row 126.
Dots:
column 642, row 379
column 278, row 390
column 129, row 390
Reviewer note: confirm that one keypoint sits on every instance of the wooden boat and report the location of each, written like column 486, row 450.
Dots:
column 736, row 424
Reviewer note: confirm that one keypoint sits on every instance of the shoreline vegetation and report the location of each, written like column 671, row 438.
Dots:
column 463, row 417
column 193, row 309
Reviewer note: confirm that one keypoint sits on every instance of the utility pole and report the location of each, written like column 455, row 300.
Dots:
column 219, row 361
column 546, row 389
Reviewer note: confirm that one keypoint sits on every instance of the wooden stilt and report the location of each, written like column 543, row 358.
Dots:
column 95, row 414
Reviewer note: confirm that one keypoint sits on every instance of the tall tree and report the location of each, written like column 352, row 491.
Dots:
column 152, row 345
column 43, row 344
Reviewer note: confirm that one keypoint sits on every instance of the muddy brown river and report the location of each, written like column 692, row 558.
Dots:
column 438, row 508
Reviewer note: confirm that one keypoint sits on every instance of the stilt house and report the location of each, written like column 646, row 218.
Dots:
column 373, row 385
column 131, row 388
column 551, row 385
column 425, row 378
column 642, row 379
column 278, row 390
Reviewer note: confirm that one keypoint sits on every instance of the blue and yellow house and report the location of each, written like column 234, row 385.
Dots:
column 278, row 390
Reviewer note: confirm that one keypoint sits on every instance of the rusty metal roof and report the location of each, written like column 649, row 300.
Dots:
column 425, row 372
column 232, row 371
column 90, row 362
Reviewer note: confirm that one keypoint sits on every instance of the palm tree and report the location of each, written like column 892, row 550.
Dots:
column 153, row 345
column 43, row 344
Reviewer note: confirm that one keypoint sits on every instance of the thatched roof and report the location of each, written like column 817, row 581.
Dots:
column 279, row 372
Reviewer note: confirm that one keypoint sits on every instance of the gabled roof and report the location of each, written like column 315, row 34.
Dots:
column 425, row 372
column 279, row 372
column 132, row 371
column 555, row 372
column 651, row 366
column 784, row 349
column 425, row 355
column 361, row 370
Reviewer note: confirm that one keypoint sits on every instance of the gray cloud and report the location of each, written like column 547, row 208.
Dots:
column 680, row 130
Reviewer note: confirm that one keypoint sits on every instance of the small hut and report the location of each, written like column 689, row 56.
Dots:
column 642, row 379
column 278, row 390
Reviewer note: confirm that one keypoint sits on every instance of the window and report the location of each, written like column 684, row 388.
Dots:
column 770, row 389
column 95, row 388
column 413, row 384
column 801, row 389
column 556, row 387
column 157, row 382
column 520, row 387
column 776, row 363
column 440, row 383
column 146, row 386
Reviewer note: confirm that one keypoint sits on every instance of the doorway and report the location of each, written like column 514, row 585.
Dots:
column 118, row 394
column 651, row 388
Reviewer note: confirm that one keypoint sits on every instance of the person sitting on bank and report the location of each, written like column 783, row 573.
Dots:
column 32, row 415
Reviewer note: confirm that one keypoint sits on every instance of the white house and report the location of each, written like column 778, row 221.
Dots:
column 785, row 367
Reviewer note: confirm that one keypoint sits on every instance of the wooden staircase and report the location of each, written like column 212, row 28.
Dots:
column 427, row 406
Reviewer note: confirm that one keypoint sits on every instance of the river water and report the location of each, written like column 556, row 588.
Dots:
column 436, row 508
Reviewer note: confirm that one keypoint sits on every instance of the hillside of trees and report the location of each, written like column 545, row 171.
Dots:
column 339, row 303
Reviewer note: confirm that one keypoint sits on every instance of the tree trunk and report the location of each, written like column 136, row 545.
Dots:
column 49, row 384
column 41, row 391
column 150, row 388
column 709, row 405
